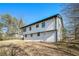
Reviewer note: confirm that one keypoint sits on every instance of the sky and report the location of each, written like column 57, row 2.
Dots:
column 30, row 12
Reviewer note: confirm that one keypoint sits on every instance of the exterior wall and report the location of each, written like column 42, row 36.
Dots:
column 48, row 33
column 45, row 36
column 49, row 25
column 59, row 29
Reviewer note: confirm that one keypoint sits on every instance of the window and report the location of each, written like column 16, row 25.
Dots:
column 25, row 35
column 29, row 28
column 31, row 35
column 37, row 25
column 43, row 24
column 38, row 34
column 24, row 29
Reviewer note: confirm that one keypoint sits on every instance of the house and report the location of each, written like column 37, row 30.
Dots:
column 48, row 29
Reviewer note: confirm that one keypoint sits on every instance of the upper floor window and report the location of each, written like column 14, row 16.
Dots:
column 37, row 25
column 24, row 29
column 43, row 24
column 29, row 28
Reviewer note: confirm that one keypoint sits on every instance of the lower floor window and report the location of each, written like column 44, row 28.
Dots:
column 31, row 35
column 38, row 34
column 25, row 35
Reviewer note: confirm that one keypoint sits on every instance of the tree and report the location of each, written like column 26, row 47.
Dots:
column 1, row 31
column 13, row 25
column 8, row 21
column 20, row 24
column 71, row 12
column 64, row 34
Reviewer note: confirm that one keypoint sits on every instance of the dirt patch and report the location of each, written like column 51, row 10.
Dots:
column 23, row 48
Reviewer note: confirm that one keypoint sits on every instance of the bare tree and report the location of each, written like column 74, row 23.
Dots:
column 71, row 13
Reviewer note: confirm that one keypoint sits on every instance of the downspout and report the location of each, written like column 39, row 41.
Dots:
column 56, row 29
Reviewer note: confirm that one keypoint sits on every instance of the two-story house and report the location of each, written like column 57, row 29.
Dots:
column 48, row 29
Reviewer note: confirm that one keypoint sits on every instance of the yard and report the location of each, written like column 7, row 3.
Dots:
column 29, row 48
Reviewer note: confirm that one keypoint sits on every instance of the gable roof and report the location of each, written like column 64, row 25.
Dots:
column 42, row 20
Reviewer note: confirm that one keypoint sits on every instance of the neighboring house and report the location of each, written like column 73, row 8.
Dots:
column 48, row 29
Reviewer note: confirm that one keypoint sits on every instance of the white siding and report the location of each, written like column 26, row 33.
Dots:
column 45, row 36
column 49, row 25
column 48, row 33
column 59, row 29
